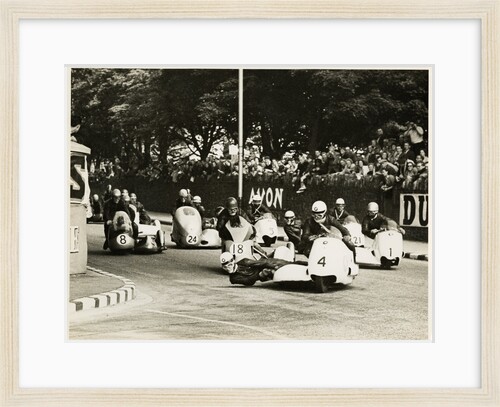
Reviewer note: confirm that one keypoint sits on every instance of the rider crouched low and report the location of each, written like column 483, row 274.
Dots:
column 293, row 228
column 248, row 271
column 374, row 221
column 318, row 225
column 231, row 213
column 256, row 209
column 111, row 207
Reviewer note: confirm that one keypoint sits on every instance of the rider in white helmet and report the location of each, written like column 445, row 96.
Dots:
column 293, row 228
column 97, row 208
column 184, row 199
column 256, row 209
column 339, row 211
column 199, row 207
column 375, row 221
column 318, row 224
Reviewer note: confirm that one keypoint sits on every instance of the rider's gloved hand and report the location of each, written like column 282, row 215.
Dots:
column 109, row 222
column 313, row 237
column 346, row 238
column 374, row 231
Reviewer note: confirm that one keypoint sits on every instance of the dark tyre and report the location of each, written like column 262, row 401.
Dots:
column 159, row 246
column 385, row 264
column 268, row 241
column 321, row 284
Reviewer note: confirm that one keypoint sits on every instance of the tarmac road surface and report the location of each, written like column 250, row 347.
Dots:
column 183, row 294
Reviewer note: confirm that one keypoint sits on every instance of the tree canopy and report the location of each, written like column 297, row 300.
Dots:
column 308, row 109
column 145, row 115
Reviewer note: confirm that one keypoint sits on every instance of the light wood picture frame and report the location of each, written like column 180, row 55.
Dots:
column 12, row 12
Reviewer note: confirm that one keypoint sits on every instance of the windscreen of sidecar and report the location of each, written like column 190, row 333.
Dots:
column 188, row 211
column 391, row 225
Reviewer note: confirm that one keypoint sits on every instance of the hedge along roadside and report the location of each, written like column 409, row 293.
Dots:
column 160, row 195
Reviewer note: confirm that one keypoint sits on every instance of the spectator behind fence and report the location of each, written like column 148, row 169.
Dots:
column 351, row 163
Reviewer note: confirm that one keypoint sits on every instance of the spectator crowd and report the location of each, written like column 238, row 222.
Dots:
column 389, row 162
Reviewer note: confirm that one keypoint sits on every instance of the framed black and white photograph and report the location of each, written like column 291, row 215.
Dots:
column 243, row 203
column 307, row 180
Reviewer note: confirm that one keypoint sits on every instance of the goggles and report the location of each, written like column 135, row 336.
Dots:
column 319, row 215
column 232, row 211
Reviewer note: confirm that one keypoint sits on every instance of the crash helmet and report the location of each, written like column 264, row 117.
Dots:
column 95, row 197
column 289, row 217
column 232, row 205
column 372, row 208
column 319, row 211
column 183, row 193
column 197, row 199
column 117, row 193
column 257, row 199
column 124, row 192
column 227, row 262
column 339, row 201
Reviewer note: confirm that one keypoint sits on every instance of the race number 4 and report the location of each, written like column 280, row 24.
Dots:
column 322, row 261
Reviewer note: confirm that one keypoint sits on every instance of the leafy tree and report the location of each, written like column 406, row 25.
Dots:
column 127, row 112
column 307, row 109
column 199, row 107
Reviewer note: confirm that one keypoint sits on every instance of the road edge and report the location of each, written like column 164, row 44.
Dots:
column 125, row 293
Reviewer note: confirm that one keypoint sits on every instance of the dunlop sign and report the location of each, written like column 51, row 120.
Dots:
column 414, row 210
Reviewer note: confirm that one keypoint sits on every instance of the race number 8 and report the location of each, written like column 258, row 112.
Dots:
column 122, row 239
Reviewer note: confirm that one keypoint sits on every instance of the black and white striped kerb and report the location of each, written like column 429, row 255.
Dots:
column 415, row 256
column 120, row 295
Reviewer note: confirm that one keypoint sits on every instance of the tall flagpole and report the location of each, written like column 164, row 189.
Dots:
column 240, row 136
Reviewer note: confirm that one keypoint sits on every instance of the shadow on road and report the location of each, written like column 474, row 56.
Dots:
column 305, row 287
column 293, row 287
